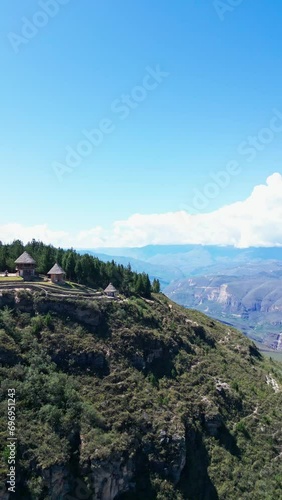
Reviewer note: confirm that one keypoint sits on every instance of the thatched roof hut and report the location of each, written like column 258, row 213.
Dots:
column 25, row 258
column 56, row 273
column 110, row 291
column 56, row 269
column 25, row 266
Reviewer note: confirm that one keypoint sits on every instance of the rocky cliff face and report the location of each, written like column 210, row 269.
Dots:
column 234, row 294
column 111, row 478
column 250, row 303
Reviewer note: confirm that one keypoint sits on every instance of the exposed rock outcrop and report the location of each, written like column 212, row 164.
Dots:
column 112, row 477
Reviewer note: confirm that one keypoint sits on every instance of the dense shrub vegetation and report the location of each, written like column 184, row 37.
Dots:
column 151, row 386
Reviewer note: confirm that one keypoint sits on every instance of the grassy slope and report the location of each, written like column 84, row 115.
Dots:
column 107, row 385
column 8, row 279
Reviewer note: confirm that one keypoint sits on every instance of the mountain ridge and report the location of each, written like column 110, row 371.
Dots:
column 137, row 398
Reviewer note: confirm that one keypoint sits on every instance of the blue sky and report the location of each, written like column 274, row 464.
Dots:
column 223, row 83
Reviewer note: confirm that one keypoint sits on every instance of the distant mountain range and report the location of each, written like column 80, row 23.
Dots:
column 242, row 287
column 165, row 273
column 170, row 263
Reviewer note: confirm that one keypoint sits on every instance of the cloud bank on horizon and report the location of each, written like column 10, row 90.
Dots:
column 255, row 221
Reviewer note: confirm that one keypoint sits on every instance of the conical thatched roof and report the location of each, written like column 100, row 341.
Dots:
column 25, row 258
column 110, row 288
column 56, row 269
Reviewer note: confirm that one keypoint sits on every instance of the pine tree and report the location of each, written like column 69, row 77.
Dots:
column 139, row 285
column 46, row 261
column 147, row 286
column 156, row 287
column 79, row 271
column 59, row 256
column 70, row 265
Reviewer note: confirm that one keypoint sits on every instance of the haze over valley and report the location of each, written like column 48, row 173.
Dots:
column 242, row 287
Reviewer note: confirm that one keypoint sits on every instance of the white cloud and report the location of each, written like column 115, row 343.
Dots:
column 253, row 222
column 10, row 232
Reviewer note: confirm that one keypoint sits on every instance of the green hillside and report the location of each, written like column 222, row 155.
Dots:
column 136, row 399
